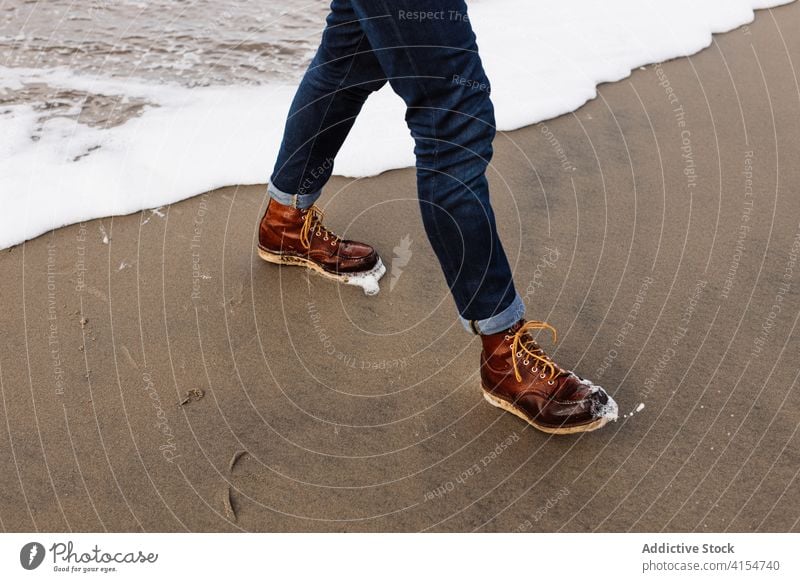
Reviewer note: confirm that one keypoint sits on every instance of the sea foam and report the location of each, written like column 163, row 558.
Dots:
column 543, row 58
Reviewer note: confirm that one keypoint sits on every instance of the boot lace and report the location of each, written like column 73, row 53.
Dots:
column 523, row 343
column 312, row 225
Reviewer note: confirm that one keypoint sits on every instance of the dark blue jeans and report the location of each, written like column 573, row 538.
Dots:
column 427, row 52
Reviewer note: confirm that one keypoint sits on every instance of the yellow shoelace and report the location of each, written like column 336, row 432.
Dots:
column 313, row 224
column 525, row 344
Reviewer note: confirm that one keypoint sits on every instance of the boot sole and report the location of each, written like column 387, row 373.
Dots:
column 367, row 280
column 508, row 407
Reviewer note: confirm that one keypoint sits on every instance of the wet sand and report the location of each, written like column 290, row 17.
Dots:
column 656, row 228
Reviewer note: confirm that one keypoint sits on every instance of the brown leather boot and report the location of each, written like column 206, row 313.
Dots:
column 296, row 236
column 517, row 376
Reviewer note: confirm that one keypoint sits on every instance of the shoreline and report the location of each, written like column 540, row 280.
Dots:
column 166, row 142
column 143, row 353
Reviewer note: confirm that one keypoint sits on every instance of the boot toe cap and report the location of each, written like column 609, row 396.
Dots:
column 356, row 257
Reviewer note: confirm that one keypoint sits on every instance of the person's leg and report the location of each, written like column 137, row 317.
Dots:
column 340, row 78
column 338, row 81
column 430, row 57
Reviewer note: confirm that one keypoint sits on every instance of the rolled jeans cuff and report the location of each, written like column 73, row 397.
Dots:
column 293, row 200
column 499, row 322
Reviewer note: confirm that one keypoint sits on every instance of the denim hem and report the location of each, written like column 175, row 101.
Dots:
column 497, row 323
column 293, row 200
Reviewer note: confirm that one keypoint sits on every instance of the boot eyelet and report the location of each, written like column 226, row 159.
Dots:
column 526, row 362
column 551, row 383
column 318, row 234
column 542, row 375
column 333, row 243
column 534, row 370
column 519, row 354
